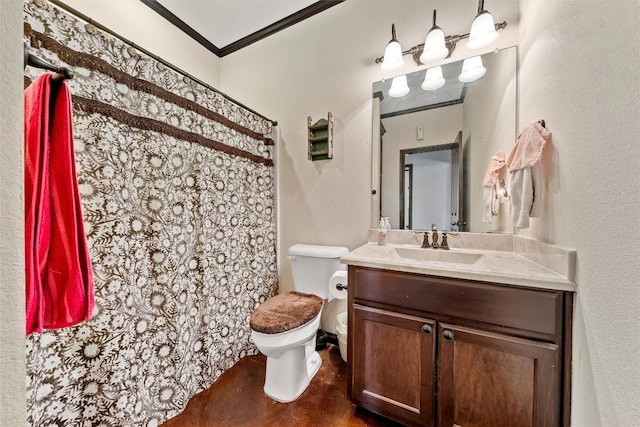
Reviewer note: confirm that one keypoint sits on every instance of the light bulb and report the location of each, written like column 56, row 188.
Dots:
column 393, row 59
column 433, row 79
column 435, row 48
column 483, row 31
column 472, row 69
column 399, row 87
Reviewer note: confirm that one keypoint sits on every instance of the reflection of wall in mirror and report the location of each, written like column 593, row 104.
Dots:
column 489, row 125
column 401, row 135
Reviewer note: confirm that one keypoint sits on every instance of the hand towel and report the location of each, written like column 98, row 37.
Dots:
column 59, row 279
column 528, row 148
column 526, row 174
column 491, row 204
column 495, row 164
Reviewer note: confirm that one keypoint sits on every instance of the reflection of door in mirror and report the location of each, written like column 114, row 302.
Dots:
column 401, row 135
column 429, row 193
column 407, row 187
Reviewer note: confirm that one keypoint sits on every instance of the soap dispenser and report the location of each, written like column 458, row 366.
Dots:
column 387, row 226
column 382, row 233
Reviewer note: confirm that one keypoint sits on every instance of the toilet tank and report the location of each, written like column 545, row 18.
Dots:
column 312, row 266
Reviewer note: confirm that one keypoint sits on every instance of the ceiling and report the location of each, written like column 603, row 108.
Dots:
column 224, row 26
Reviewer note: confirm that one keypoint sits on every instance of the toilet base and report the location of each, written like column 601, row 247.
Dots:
column 289, row 372
column 324, row 338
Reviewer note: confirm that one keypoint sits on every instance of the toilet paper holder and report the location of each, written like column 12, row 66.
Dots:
column 338, row 285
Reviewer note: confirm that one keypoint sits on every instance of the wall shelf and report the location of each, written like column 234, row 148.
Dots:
column 320, row 138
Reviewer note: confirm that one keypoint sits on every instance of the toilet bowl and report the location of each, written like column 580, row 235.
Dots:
column 284, row 327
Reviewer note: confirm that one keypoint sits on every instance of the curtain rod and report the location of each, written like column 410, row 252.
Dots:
column 85, row 18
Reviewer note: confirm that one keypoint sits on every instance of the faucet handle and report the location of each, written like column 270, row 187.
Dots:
column 444, row 244
column 425, row 240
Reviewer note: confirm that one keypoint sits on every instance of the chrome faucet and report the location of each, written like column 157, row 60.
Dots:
column 434, row 237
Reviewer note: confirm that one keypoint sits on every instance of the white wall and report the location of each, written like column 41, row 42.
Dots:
column 139, row 24
column 12, row 318
column 326, row 63
column 585, row 84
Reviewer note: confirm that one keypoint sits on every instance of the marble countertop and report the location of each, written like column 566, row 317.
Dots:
column 511, row 267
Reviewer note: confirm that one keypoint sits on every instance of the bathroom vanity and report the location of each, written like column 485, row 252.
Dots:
column 462, row 337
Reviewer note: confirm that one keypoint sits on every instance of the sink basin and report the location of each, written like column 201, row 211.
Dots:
column 438, row 255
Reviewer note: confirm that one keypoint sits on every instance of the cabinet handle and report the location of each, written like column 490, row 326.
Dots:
column 448, row 335
column 426, row 328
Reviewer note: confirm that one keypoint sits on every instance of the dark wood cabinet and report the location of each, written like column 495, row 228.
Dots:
column 394, row 371
column 487, row 379
column 426, row 350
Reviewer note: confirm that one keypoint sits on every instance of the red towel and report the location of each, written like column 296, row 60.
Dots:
column 59, row 280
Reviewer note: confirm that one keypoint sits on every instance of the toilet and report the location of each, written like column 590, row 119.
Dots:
column 284, row 327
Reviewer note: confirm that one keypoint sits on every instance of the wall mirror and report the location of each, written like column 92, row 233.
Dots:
column 431, row 149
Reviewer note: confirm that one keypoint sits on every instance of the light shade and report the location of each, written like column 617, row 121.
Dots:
column 483, row 31
column 435, row 48
column 472, row 69
column 393, row 59
column 433, row 79
column 399, row 87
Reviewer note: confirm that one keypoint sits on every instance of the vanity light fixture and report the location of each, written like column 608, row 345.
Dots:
column 422, row 53
column 434, row 44
column 399, row 87
column 433, row 79
column 483, row 29
column 393, row 59
column 472, row 69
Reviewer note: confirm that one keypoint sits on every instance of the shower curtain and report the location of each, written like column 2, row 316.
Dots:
column 177, row 190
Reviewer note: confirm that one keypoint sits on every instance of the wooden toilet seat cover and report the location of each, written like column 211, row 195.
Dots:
column 285, row 311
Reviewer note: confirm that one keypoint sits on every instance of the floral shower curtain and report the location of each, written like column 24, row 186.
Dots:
column 177, row 188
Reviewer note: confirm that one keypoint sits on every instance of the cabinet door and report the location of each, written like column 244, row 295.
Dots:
column 494, row 380
column 393, row 364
